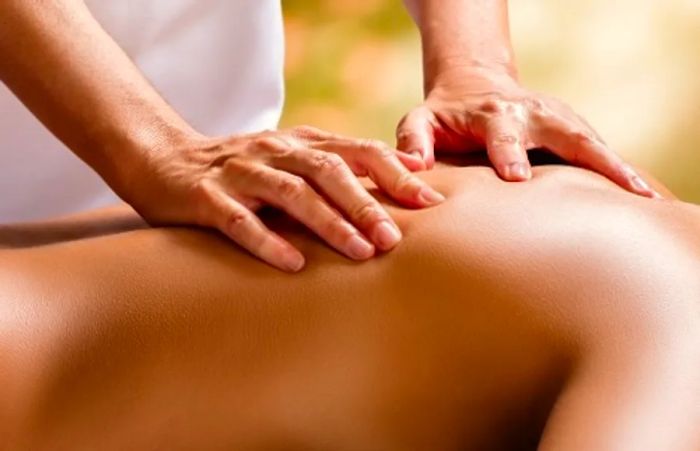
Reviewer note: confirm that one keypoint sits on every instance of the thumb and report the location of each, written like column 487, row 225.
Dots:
column 414, row 135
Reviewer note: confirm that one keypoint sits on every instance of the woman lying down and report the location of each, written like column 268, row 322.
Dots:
column 560, row 314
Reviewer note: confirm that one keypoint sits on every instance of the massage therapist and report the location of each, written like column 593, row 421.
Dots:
column 167, row 101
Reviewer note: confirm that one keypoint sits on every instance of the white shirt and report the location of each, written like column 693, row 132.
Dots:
column 217, row 62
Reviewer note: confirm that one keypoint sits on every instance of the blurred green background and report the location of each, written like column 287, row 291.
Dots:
column 630, row 67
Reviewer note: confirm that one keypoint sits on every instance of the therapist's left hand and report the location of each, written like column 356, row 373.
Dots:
column 470, row 109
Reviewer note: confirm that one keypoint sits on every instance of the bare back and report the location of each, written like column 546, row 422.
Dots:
column 464, row 337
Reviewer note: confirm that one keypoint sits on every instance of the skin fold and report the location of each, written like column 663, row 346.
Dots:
column 560, row 314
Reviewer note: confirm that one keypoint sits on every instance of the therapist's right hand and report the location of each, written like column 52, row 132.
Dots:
column 308, row 173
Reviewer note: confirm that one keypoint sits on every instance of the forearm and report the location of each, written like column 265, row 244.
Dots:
column 463, row 33
column 106, row 221
column 69, row 72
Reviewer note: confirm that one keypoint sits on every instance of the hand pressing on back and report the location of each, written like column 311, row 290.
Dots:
column 473, row 108
column 310, row 174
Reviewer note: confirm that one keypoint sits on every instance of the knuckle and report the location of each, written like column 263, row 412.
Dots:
column 264, row 142
column 366, row 213
column 291, row 187
column 377, row 149
column 405, row 182
column 273, row 146
column 505, row 139
column 327, row 164
column 234, row 165
column 235, row 222
column 305, row 131
column 386, row 153
column 493, row 105
column 337, row 227
column 371, row 146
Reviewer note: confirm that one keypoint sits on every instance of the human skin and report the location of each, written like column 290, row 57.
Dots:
column 561, row 314
column 108, row 114
column 474, row 100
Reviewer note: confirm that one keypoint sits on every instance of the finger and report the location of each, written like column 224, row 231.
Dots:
column 662, row 192
column 580, row 147
column 320, row 139
column 294, row 196
column 506, row 149
column 411, row 162
column 382, row 164
column 331, row 174
column 245, row 228
column 414, row 135
column 307, row 133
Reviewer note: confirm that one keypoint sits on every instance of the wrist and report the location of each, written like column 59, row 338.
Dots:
column 459, row 69
column 132, row 159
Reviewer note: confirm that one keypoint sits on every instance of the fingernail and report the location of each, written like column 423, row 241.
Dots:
column 639, row 184
column 359, row 248
column 429, row 196
column 518, row 171
column 386, row 235
column 292, row 261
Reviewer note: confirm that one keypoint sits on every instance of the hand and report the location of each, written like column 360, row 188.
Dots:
column 310, row 174
column 475, row 108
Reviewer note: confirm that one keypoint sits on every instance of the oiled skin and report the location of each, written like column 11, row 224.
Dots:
column 499, row 304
